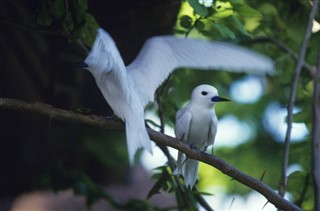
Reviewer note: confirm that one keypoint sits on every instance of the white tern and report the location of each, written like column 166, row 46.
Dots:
column 196, row 124
column 128, row 89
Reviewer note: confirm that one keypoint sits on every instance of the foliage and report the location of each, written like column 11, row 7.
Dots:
column 71, row 16
column 239, row 21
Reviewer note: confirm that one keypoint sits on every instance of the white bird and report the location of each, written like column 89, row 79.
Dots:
column 196, row 124
column 129, row 89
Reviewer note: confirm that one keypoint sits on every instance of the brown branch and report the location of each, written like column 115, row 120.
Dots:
column 159, row 138
column 292, row 97
column 171, row 161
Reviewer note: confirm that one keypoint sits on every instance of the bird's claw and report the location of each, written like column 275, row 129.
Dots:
column 192, row 146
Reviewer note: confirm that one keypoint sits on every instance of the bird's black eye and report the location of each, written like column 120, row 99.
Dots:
column 204, row 93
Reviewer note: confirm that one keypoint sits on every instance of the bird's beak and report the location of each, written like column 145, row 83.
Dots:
column 83, row 65
column 218, row 99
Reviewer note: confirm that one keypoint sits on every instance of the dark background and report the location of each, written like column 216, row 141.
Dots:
column 39, row 64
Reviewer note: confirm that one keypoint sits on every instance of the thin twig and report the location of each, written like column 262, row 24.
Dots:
column 311, row 69
column 202, row 201
column 60, row 114
column 292, row 96
column 304, row 191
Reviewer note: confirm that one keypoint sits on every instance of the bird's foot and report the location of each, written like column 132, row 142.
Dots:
column 206, row 148
column 192, row 146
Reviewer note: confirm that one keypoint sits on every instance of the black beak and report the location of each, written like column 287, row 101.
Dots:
column 83, row 65
column 219, row 99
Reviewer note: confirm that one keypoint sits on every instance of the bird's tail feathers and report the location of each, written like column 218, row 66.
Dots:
column 180, row 161
column 188, row 168
column 137, row 137
column 189, row 171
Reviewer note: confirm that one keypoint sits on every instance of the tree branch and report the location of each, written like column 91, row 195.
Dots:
column 159, row 138
column 292, row 96
column 311, row 69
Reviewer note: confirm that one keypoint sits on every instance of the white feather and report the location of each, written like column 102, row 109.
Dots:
column 196, row 124
column 129, row 89
column 161, row 55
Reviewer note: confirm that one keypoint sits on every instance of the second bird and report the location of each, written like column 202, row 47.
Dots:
column 196, row 124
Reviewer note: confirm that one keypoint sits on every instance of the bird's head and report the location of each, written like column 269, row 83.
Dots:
column 206, row 95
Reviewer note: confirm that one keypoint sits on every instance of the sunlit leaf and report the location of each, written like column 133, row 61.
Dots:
column 247, row 11
column 234, row 21
column 199, row 8
column 224, row 31
column 223, row 9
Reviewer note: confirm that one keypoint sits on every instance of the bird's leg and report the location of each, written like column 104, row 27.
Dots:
column 205, row 149
column 192, row 146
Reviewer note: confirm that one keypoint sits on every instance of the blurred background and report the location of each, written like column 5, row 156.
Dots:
column 48, row 164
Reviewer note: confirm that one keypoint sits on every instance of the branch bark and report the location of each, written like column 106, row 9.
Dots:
column 159, row 138
column 293, row 91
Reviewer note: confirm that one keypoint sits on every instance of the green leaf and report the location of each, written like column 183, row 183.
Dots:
column 223, row 9
column 161, row 184
column 236, row 23
column 211, row 33
column 297, row 181
column 44, row 18
column 58, row 8
column 186, row 21
column 198, row 8
column 179, row 31
column 236, row 1
column 224, row 31
column 300, row 117
column 200, row 25
column 69, row 22
column 246, row 11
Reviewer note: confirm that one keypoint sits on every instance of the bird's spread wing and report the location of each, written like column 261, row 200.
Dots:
column 183, row 120
column 161, row 55
column 104, row 58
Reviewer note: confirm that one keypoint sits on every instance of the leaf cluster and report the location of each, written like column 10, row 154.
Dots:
column 71, row 17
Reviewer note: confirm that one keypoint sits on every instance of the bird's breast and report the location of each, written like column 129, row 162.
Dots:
column 199, row 129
